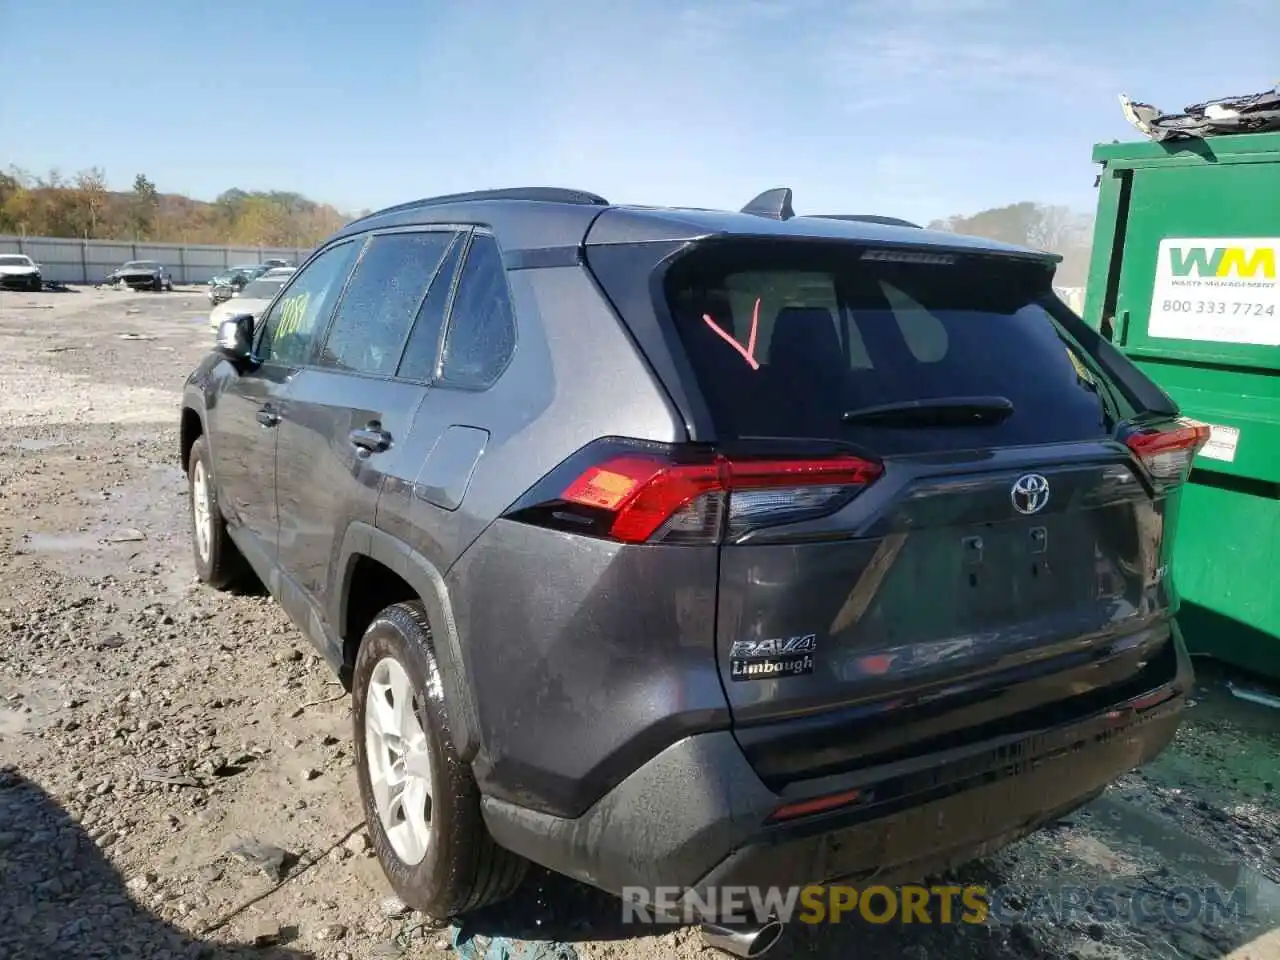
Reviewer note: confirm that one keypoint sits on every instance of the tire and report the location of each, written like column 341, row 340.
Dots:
column 37, row 284
column 461, row 868
column 219, row 562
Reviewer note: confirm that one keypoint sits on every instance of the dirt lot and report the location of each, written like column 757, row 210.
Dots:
column 175, row 772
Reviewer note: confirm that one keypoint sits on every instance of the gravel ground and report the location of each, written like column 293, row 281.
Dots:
column 175, row 768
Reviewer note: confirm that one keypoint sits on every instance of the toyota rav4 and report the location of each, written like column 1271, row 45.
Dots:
column 677, row 547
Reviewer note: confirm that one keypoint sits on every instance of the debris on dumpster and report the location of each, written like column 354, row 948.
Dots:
column 1254, row 696
column 1253, row 113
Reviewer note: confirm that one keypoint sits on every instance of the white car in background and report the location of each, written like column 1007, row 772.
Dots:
column 254, row 298
column 19, row 272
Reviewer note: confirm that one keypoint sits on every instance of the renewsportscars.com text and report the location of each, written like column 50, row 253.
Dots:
column 938, row 904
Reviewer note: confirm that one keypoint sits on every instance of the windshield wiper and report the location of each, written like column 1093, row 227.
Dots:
column 934, row 412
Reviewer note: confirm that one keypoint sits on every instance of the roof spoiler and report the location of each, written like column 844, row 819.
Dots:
column 868, row 218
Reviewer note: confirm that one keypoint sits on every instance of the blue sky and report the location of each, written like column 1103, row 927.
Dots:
column 917, row 108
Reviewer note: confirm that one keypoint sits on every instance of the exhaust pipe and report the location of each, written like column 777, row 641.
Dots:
column 743, row 941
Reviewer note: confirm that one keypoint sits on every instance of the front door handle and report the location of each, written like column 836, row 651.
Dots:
column 371, row 438
column 268, row 417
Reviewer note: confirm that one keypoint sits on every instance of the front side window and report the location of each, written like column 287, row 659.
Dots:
column 372, row 321
column 290, row 328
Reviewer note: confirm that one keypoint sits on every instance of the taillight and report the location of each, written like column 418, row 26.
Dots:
column 1167, row 452
column 647, row 493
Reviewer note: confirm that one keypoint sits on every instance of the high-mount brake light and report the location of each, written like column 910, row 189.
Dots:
column 909, row 256
column 1167, row 453
column 641, row 496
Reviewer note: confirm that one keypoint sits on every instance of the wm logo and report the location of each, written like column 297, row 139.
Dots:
column 1223, row 262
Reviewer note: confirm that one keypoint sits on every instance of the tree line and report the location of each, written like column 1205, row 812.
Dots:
column 1056, row 229
column 82, row 206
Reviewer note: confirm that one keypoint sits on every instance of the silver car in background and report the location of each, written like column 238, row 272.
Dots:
column 141, row 275
column 254, row 298
column 19, row 272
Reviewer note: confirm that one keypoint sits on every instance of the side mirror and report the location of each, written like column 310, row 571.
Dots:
column 235, row 337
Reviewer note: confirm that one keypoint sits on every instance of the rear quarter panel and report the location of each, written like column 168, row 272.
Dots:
column 536, row 618
column 573, row 377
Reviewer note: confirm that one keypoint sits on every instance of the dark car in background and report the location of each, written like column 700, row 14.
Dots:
column 693, row 548
column 142, row 275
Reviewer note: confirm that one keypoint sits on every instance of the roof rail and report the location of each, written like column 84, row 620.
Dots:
column 540, row 194
column 867, row 218
column 773, row 204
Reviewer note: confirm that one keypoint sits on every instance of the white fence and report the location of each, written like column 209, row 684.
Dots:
column 65, row 260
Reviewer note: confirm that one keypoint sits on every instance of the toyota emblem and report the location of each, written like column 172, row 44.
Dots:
column 1030, row 493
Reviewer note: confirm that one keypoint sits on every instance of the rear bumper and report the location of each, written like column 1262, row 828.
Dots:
column 696, row 815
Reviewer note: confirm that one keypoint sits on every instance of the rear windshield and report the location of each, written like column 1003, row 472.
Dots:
column 786, row 340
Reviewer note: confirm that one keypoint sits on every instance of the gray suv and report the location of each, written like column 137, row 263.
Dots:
column 683, row 547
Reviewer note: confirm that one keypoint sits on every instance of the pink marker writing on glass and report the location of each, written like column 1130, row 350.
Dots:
column 748, row 352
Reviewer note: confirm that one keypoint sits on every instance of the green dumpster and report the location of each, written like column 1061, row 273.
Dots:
column 1184, row 280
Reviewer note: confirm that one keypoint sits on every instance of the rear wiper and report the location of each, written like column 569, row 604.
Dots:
column 934, row 412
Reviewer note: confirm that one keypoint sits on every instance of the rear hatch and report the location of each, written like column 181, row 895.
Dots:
column 941, row 517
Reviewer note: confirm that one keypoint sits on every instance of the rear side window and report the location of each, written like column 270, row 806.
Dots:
column 423, row 349
column 482, row 325
column 376, row 311
column 787, row 339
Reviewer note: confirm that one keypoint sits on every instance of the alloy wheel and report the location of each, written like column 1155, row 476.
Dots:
column 202, row 510
column 399, row 760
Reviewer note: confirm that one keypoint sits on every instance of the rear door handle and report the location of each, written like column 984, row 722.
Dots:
column 371, row 438
column 268, row 417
